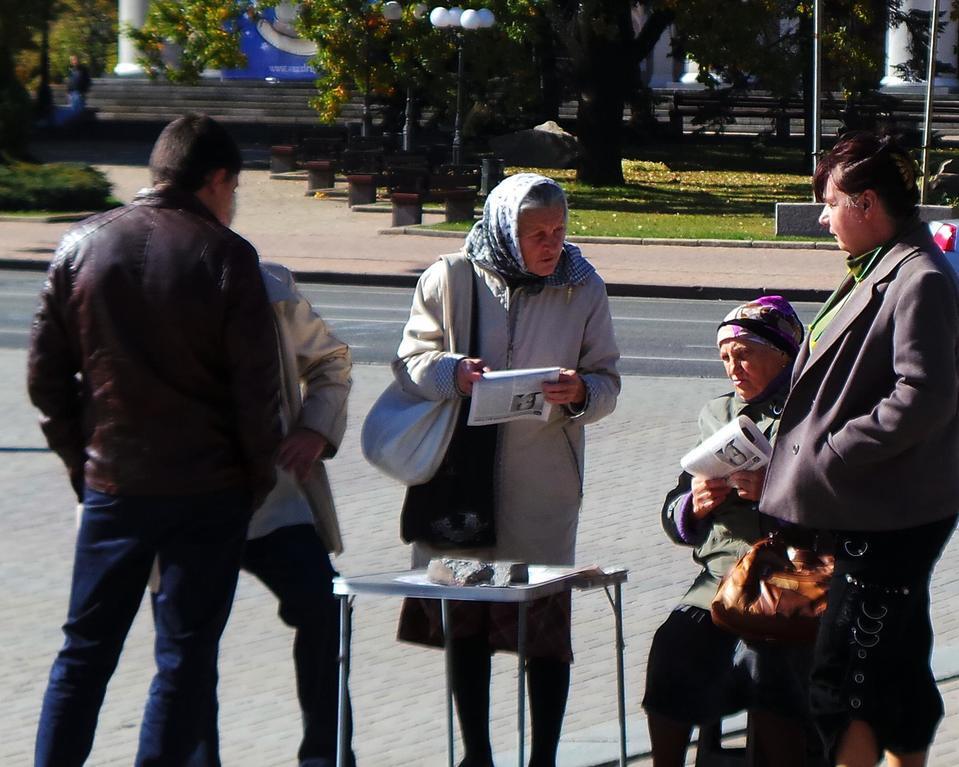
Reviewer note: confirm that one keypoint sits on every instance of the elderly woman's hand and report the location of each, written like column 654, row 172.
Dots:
column 469, row 370
column 707, row 495
column 568, row 390
column 748, row 484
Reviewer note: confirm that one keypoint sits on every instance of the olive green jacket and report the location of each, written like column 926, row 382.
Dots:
column 724, row 536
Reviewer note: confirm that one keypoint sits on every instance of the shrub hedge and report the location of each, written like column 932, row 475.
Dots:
column 52, row 186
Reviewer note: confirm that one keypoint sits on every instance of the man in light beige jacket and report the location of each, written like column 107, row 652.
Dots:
column 292, row 534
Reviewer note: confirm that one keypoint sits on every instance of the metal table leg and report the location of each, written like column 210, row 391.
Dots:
column 346, row 632
column 444, row 613
column 620, row 683
column 521, row 683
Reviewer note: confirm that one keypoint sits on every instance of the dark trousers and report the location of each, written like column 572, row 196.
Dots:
column 198, row 541
column 294, row 565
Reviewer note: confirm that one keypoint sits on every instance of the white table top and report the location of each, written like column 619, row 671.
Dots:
column 544, row 581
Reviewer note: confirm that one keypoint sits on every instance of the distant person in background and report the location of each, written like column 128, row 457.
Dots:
column 78, row 84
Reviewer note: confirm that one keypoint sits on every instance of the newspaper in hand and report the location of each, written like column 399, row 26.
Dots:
column 507, row 395
column 738, row 446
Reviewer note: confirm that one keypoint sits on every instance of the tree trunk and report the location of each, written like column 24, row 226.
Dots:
column 599, row 124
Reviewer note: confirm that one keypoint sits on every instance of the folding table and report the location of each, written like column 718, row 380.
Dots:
column 543, row 581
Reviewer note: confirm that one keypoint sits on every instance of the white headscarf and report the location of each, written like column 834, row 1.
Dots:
column 494, row 239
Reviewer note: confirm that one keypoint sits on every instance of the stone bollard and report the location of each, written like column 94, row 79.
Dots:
column 282, row 158
column 407, row 208
column 361, row 188
column 320, row 174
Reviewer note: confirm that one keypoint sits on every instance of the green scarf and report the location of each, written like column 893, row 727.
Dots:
column 859, row 268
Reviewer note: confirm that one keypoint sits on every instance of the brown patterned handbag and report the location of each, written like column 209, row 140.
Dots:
column 774, row 592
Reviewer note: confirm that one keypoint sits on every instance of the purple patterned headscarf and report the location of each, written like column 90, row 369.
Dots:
column 768, row 320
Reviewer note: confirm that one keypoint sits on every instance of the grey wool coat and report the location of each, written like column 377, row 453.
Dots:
column 539, row 464
column 869, row 436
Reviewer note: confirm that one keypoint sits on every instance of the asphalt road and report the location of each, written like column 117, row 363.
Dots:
column 657, row 337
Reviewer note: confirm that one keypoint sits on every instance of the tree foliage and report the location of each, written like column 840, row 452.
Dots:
column 770, row 43
column 87, row 28
column 360, row 51
column 605, row 48
column 181, row 39
column 19, row 23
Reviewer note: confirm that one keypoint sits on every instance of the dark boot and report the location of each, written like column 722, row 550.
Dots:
column 548, row 690
column 470, row 677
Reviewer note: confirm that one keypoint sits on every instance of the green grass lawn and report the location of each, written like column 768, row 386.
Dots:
column 659, row 200
column 709, row 189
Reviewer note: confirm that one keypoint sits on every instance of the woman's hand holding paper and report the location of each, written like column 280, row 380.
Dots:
column 707, row 495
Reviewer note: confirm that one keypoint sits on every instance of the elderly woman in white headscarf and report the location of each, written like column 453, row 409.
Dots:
column 537, row 303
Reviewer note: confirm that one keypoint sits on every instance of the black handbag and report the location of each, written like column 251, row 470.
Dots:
column 454, row 509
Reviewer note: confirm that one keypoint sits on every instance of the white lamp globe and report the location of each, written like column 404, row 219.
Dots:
column 455, row 13
column 440, row 17
column 487, row 18
column 419, row 11
column 392, row 11
column 470, row 19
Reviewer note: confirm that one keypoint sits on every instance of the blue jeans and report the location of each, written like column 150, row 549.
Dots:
column 78, row 102
column 293, row 564
column 198, row 541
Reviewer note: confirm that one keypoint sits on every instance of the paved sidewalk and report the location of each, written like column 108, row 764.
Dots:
column 397, row 689
column 325, row 238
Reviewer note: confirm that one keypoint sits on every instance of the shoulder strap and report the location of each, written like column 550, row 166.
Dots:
column 457, row 298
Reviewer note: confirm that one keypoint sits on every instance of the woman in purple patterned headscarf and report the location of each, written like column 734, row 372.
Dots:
column 698, row 673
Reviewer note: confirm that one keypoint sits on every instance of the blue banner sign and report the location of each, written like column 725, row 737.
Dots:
column 273, row 49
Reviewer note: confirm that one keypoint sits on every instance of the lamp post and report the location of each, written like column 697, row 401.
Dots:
column 458, row 19
column 393, row 12
column 930, row 85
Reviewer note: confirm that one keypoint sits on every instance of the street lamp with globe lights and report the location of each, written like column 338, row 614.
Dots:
column 393, row 12
column 458, row 19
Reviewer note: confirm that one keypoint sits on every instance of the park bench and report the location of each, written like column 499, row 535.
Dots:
column 456, row 186
column 884, row 112
column 724, row 106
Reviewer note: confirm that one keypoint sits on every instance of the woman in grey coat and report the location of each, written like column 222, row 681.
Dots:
column 868, row 448
column 538, row 303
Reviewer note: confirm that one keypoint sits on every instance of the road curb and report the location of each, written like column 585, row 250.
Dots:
column 617, row 289
column 677, row 242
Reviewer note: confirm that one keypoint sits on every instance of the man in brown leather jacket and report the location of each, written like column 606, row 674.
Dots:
column 154, row 364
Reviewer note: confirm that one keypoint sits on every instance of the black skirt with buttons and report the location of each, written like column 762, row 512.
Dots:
column 872, row 654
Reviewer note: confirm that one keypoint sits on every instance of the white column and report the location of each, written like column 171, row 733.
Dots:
column 690, row 74
column 134, row 13
column 897, row 48
column 658, row 66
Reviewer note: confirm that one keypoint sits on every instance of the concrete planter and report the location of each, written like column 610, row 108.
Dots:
column 801, row 219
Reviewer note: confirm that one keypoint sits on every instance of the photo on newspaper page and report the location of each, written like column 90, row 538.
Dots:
column 738, row 446
column 507, row 395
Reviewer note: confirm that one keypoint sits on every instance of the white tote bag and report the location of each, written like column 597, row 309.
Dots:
column 405, row 436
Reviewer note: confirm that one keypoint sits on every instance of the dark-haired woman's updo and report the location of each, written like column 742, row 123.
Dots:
column 861, row 160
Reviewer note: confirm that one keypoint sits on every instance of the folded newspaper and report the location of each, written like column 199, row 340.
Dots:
column 507, row 395
column 738, row 446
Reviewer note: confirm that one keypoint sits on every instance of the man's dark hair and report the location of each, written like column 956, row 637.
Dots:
column 189, row 149
column 861, row 160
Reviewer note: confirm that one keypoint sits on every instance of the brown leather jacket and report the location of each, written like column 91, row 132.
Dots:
column 153, row 357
